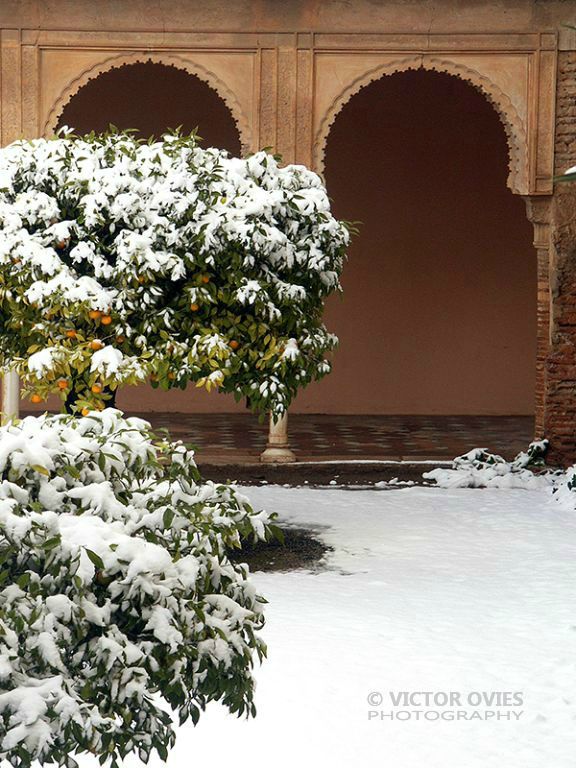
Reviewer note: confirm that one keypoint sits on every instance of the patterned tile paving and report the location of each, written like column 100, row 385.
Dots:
column 240, row 437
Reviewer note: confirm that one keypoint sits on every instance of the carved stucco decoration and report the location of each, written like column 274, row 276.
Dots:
column 513, row 125
column 116, row 61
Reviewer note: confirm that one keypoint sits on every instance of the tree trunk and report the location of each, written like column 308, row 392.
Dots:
column 73, row 397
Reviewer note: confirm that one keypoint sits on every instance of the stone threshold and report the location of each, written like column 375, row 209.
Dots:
column 331, row 472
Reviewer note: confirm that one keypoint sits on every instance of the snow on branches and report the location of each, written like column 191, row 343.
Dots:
column 172, row 262
column 116, row 591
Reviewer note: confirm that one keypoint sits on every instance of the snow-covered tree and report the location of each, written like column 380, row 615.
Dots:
column 117, row 597
column 123, row 261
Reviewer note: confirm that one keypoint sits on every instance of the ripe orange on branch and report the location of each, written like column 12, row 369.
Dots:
column 62, row 384
column 36, row 398
column 106, row 320
column 71, row 333
column 234, row 344
column 96, row 345
column 96, row 388
column 94, row 314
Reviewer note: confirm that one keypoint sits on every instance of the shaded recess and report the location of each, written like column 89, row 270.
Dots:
column 438, row 314
column 152, row 98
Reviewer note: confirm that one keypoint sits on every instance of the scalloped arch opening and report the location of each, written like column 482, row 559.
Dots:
column 438, row 314
column 152, row 97
column 513, row 127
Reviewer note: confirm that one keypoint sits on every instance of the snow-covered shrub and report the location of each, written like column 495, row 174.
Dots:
column 565, row 488
column 480, row 469
column 122, row 261
column 117, row 597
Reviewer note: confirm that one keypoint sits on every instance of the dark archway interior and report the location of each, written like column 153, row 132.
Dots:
column 439, row 308
column 152, row 98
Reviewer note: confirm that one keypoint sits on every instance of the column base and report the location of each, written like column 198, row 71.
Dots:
column 277, row 455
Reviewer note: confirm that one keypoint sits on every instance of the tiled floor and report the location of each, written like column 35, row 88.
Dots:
column 239, row 437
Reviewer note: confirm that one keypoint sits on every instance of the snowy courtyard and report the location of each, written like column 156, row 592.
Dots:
column 469, row 595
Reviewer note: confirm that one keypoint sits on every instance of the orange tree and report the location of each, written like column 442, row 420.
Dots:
column 123, row 261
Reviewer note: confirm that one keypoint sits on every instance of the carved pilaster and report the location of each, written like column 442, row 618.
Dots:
column 11, row 119
column 30, row 92
column 286, row 132
column 268, row 97
column 304, row 99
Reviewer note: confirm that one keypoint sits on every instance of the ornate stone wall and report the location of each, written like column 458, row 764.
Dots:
column 286, row 69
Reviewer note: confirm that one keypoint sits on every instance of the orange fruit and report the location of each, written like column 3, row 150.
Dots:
column 61, row 244
column 96, row 345
column 72, row 334
column 106, row 320
column 153, row 377
column 171, row 376
column 94, row 314
column 85, row 411
column 62, row 384
column 36, row 398
column 120, row 339
column 194, row 307
column 234, row 344
column 96, row 388
column 205, row 279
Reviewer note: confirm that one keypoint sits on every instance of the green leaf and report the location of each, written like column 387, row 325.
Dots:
column 95, row 559
column 23, row 580
column 41, row 470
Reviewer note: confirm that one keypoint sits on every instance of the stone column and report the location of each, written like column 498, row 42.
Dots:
column 285, row 76
column 10, row 396
column 538, row 210
column 11, row 129
column 277, row 448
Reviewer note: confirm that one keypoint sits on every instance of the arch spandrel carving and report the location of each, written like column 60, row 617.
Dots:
column 514, row 125
column 116, row 61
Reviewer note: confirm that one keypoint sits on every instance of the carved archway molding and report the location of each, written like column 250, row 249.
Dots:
column 118, row 60
column 509, row 117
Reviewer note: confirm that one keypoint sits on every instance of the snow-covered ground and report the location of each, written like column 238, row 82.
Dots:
column 427, row 590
